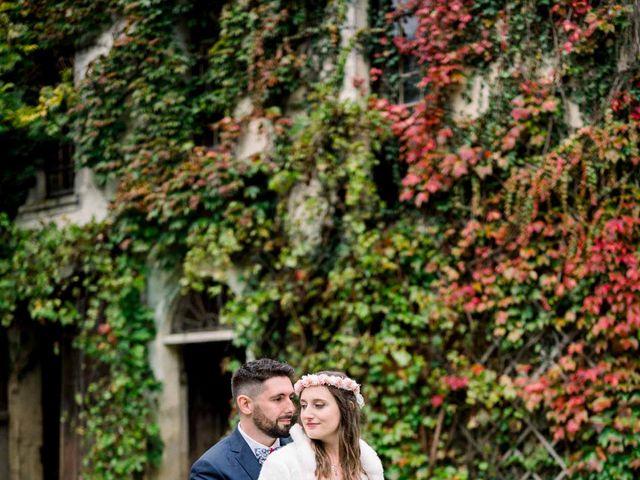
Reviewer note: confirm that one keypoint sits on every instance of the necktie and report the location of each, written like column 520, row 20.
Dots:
column 263, row 453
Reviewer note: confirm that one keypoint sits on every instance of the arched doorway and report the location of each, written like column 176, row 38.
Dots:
column 206, row 349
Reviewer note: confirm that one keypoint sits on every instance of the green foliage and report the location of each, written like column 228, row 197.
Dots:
column 76, row 276
column 477, row 273
column 531, row 202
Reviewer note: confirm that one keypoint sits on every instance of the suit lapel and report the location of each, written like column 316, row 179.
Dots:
column 244, row 456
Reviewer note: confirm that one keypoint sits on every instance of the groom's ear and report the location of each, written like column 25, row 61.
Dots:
column 245, row 404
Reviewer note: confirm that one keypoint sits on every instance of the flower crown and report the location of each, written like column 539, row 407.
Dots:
column 343, row 383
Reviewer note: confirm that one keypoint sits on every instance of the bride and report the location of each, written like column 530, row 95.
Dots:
column 326, row 445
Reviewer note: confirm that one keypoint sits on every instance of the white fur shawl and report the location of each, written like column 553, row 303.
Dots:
column 296, row 461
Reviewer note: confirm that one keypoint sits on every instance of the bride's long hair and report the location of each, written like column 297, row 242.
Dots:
column 348, row 436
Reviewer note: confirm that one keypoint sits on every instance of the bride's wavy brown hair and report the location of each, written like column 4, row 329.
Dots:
column 348, row 436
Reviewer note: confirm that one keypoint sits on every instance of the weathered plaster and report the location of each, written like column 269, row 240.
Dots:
column 166, row 362
column 355, row 83
column 307, row 214
column 470, row 102
column 83, row 58
column 87, row 203
column 573, row 116
column 256, row 138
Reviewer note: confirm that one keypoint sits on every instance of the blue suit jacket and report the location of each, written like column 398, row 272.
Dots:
column 229, row 459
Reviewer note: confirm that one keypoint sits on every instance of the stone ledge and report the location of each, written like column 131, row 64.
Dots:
column 51, row 206
column 198, row 337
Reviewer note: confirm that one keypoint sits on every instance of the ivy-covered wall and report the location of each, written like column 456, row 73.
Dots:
column 475, row 271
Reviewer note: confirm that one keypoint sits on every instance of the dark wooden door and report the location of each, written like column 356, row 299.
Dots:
column 4, row 404
column 209, row 393
column 72, row 385
column 62, row 381
column 50, row 365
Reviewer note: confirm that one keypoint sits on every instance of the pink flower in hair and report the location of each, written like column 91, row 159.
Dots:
column 343, row 383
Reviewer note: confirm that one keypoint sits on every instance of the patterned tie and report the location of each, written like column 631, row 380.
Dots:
column 263, row 453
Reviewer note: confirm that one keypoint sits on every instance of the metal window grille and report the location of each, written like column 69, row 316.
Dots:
column 199, row 312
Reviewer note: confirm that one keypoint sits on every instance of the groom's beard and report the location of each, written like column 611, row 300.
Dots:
column 269, row 427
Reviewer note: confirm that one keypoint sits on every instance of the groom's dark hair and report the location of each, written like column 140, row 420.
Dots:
column 248, row 379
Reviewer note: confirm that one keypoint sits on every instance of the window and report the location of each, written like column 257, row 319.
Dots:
column 408, row 68
column 59, row 173
column 400, row 72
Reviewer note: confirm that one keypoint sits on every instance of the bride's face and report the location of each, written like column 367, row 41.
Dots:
column 319, row 413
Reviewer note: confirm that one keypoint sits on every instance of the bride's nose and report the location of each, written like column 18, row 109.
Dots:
column 304, row 413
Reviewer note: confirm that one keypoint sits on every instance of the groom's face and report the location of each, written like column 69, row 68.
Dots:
column 274, row 410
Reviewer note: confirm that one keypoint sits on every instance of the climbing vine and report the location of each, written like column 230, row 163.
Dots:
column 77, row 278
column 471, row 257
column 532, row 198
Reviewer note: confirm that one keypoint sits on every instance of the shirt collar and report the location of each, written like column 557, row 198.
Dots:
column 253, row 444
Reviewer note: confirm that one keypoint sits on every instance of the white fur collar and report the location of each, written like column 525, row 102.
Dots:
column 370, row 461
column 303, row 445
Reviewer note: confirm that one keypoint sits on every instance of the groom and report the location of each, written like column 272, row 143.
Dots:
column 262, row 391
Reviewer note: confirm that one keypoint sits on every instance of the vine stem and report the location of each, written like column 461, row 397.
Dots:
column 434, row 443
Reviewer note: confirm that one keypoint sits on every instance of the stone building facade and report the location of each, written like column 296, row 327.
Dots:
column 40, row 370
column 37, row 406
